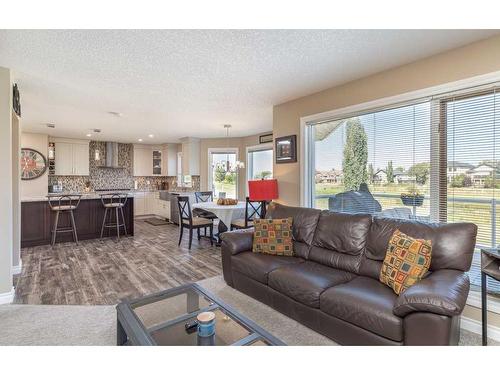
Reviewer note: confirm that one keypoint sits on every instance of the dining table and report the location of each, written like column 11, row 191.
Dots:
column 225, row 213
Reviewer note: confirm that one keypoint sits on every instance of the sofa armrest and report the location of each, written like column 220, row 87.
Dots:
column 443, row 292
column 237, row 241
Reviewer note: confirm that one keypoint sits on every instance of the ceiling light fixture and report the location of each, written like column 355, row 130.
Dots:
column 89, row 135
column 151, row 136
column 117, row 114
column 226, row 166
column 52, row 126
column 140, row 139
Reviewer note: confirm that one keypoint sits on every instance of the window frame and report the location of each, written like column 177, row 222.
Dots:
column 248, row 150
column 439, row 93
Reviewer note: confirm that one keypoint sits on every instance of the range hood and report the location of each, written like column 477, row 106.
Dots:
column 111, row 155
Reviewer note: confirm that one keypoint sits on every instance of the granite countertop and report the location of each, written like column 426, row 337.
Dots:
column 97, row 194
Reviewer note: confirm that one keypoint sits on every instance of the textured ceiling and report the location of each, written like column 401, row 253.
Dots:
column 177, row 83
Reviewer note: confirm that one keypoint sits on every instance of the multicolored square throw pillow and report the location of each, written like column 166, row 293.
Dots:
column 407, row 260
column 273, row 236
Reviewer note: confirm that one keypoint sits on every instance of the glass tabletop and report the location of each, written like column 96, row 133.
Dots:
column 163, row 317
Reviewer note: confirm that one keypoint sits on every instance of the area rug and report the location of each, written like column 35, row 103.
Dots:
column 96, row 325
column 155, row 221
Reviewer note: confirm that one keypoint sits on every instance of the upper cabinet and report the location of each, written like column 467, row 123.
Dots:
column 71, row 157
column 190, row 156
column 155, row 160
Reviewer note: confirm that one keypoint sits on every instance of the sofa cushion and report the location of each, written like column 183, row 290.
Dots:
column 452, row 244
column 345, row 233
column 407, row 260
column 257, row 266
column 273, row 236
column 367, row 303
column 304, row 224
column 306, row 281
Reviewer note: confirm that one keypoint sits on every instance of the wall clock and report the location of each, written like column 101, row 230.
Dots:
column 33, row 164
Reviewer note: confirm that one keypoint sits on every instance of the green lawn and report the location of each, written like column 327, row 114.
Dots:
column 230, row 189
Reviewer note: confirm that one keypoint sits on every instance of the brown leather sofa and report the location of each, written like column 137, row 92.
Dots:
column 332, row 283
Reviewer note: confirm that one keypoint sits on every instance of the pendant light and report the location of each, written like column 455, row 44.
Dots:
column 238, row 164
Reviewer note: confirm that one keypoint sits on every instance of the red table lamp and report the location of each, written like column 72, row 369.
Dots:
column 263, row 190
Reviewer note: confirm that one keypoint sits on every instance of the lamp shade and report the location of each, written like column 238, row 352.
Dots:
column 262, row 190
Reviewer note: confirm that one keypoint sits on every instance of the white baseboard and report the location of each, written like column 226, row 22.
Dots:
column 17, row 269
column 7, row 297
column 475, row 326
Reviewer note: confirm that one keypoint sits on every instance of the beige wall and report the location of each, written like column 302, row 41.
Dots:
column 465, row 62
column 472, row 60
column 240, row 143
column 6, row 198
column 39, row 186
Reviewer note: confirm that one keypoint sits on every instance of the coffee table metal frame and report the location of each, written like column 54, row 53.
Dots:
column 131, row 331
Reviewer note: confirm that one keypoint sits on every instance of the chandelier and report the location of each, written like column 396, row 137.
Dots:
column 226, row 165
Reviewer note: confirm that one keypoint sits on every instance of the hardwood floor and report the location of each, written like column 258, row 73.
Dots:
column 103, row 272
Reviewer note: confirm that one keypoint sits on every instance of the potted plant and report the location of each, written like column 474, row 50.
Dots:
column 412, row 198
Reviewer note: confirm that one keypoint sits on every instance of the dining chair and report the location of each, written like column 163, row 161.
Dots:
column 204, row 196
column 188, row 221
column 253, row 210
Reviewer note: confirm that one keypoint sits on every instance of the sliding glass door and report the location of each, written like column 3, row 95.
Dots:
column 223, row 173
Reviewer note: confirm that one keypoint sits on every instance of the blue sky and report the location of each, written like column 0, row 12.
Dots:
column 403, row 135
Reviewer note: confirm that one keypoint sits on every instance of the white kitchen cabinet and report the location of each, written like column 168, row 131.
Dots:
column 139, row 204
column 164, row 209
column 143, row 160
column 169, row 161
column 71, row 157
column 81, row 159
column 190, row 156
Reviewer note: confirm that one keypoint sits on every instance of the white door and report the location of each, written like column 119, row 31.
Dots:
column 64, row 159
column 222, row 172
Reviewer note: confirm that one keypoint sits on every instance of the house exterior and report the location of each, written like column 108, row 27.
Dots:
column 457, row 168
column 330, row 177
column 380, row 177
column 479, row 174
column 403, row 178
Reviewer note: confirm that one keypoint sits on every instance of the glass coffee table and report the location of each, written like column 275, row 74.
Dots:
column 159, row 319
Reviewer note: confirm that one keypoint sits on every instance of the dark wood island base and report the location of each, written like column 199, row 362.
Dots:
column 37, row 221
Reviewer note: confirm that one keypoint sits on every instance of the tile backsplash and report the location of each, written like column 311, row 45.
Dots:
column 119, row 178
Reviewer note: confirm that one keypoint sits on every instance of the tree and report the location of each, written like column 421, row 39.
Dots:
column 355, row 155
column 263, row 175
column 220, row 173
column 460, row 180
column 390, row 172
column 420, row 171
column 371, row 173
column 230, row 178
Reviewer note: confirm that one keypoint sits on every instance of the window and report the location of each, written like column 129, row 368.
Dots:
column 223, row 174
column 384, row 156
column 259, row 162
column 437, row 159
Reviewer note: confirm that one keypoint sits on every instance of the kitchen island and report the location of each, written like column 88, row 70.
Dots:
column 37, row 220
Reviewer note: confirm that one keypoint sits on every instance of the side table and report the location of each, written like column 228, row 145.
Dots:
column 490, row 266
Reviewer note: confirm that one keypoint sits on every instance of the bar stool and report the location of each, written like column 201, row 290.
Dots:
column 64, row 204
column 114, row 201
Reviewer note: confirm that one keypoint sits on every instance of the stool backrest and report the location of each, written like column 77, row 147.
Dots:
column 184, row 209
column 204, row 196
column 110, row 198
column 62, row 200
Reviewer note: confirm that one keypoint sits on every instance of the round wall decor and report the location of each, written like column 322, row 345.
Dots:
column 33, row 164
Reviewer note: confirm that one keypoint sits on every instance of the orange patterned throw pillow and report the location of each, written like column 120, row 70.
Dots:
column 273, row 236
column 407, row 260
